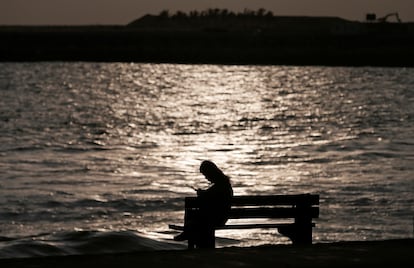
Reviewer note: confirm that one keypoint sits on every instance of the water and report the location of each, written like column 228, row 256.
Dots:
column 97, row 157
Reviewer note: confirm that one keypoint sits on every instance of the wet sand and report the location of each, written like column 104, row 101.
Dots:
column 396, row 253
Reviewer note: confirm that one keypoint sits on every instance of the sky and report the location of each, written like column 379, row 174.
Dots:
column 120, row 12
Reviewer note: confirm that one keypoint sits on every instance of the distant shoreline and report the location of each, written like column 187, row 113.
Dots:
column 384, row 253
column 387, row 45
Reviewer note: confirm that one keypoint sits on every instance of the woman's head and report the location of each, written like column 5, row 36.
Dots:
column 212, row 172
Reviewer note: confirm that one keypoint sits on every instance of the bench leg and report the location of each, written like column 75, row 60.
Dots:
column 298, row 234
column 191, row 244
column 204, row 239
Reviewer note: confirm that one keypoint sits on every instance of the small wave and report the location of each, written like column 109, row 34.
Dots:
column 83, row 242
column 122, row 241
column 318, row 160
column 5, row 238
column 120, row 204
column 26, row 249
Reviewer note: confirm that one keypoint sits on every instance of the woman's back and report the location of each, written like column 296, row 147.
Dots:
column 215, row 202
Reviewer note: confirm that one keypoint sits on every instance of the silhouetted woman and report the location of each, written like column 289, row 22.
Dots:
column 215, row 203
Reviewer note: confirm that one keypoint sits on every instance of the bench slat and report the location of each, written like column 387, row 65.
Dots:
column 269, row 200
column 265, row 200
column 241, row 226
column 255, row 226
column 275, row 213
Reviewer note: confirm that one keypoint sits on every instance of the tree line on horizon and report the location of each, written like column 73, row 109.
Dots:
column 212, row 16
column 215, row 19
column 216, row 13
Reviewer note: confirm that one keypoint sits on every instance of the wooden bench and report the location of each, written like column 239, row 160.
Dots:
column 298, row 210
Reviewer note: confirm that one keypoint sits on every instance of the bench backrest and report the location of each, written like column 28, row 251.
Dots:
column 301, row 207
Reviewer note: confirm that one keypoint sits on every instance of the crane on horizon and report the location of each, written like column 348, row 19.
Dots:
column 373, row 17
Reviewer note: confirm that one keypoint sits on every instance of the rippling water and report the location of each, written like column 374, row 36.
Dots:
column 107, row 151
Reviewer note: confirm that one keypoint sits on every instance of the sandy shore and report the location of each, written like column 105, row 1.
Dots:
column 396, row 253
